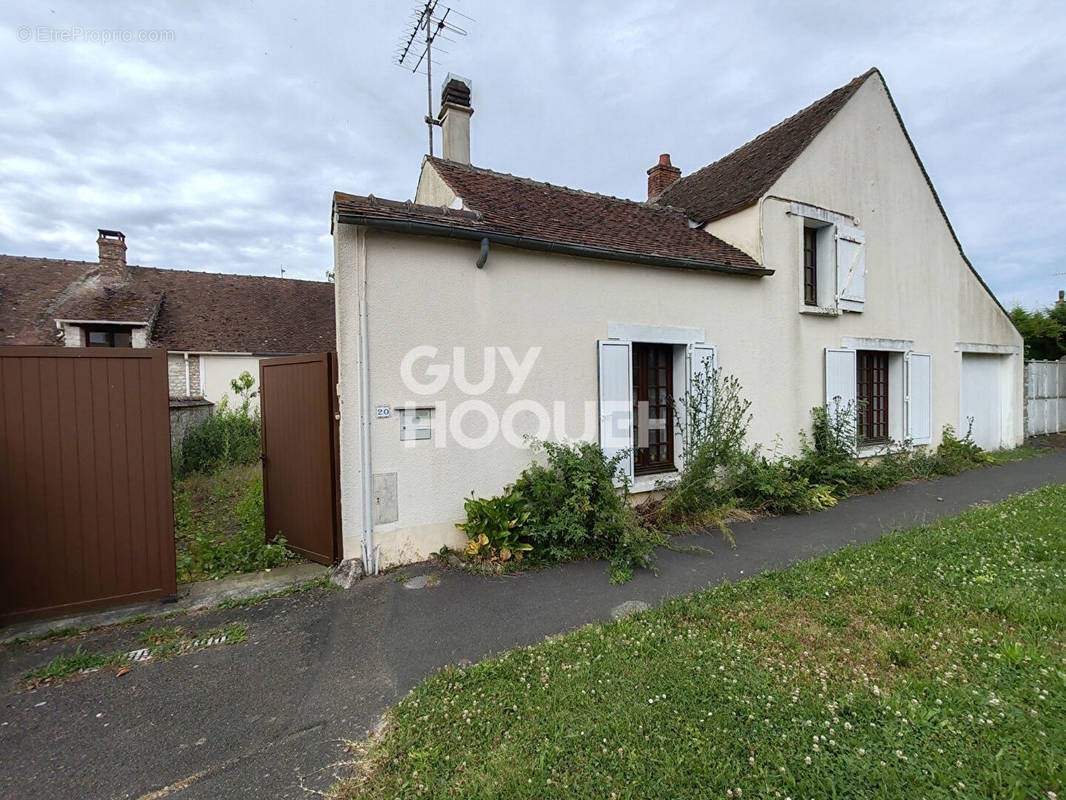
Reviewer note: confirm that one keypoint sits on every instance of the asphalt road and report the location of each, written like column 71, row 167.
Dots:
column 268, row 717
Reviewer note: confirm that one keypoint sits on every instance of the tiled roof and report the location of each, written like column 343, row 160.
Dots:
column 528, row 208
column 197, row 311
column 98, row 300
column 746, row 174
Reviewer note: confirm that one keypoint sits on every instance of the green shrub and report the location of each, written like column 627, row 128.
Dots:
column 576, row 511
column 955, row 454
column 227, row 438
column 713, row 421
column 777, row 487
column 494, row 527
column 208, row 551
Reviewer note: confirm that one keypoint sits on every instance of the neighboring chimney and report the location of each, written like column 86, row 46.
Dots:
column 455, row 113
column 1062, row 298
column 112, row 254
column 660, row 176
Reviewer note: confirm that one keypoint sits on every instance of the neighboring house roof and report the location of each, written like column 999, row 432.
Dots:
column 526, row 213
column 739, row 179
column 195, row 311
column 96, row 300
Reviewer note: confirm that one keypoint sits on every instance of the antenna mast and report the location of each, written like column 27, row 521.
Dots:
column 427, row 23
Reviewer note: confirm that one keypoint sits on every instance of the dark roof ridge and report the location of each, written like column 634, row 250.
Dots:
column 853, row 84
column 763, row 150
column 93, row 266
column 554, row 186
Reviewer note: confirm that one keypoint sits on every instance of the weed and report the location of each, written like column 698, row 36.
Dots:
column 323, row 583
column 64, row 667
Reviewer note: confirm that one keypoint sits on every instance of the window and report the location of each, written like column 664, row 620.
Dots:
column 871, row 391
column 810, row 267
column 108, row 337
column 653, row 416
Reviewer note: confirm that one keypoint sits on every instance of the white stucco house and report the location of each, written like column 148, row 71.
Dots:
column 815, row 262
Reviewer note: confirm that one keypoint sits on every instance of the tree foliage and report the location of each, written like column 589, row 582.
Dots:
column 1044, row 331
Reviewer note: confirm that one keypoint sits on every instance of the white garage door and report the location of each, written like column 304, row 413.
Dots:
column 982, row 398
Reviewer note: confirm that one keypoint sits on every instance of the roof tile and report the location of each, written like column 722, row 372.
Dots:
column 197, row 311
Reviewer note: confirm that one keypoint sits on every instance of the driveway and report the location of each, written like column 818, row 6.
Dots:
column 268, row 717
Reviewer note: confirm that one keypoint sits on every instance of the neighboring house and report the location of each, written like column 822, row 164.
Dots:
column 213, row 326
column 815, row 263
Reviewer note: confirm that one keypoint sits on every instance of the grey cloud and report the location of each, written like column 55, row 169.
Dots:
column 219, row 150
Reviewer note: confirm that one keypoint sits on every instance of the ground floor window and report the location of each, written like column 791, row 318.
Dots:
column 871, row 369
column 653, row 416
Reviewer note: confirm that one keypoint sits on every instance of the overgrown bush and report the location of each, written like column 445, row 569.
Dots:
column 775, row 486
column 955, row 454
column 577, row 511
column 713, row 421
column 494, row 527
column 220, row 528
column 227, row 438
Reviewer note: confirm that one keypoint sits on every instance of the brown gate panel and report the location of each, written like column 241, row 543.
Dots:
column 86, row 517
column 297, row 401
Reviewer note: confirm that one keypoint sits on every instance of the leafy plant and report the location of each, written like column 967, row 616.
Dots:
column 577, row 511
column 220, row 527
column 713, row 420
column 955, row 454
column 226, row 438
column 494, row 527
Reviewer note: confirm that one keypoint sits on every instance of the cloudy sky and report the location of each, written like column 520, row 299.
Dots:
column 216, row 134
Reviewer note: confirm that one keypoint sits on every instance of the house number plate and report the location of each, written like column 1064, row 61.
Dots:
column 383, row 412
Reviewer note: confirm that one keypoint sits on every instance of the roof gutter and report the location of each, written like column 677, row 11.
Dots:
column 544, row 245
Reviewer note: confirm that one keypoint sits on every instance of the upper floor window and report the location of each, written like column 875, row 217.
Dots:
column 810, row 267
column 832, row 261
column 108, row 336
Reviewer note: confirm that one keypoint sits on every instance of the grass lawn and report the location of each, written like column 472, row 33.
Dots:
column 928, row 664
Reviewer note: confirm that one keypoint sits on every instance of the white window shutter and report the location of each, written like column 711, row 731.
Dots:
column 616, row 400
column 919, row 398
column 840, row 387
column 851, row 268
column 701, row 357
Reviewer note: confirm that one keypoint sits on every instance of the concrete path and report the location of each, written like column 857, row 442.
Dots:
column 267, row 717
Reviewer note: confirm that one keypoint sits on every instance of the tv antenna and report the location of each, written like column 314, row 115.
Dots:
column 427, row 23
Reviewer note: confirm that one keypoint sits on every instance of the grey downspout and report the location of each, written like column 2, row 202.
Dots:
column 484, row 256
column 370, row 559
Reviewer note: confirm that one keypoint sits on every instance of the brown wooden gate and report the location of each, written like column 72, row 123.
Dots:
column 298, row 403
column 86, row 516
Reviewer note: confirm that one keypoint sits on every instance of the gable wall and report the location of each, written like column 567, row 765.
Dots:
column 918, row 287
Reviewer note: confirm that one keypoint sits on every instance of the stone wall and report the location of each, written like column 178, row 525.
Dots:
column 176, row 375
column 186, row 414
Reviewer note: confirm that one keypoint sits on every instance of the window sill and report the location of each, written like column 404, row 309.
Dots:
column 652, row 481
column 820, row 311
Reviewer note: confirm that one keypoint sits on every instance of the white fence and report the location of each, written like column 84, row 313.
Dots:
column 1045, row 397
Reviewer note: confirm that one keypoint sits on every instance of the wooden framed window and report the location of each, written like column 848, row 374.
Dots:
column 871, row 373
column 810, row 266
column 653, row 414
column 108, row 337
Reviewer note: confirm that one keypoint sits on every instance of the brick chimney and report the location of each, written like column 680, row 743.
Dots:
column 455, row 113
column 112, row 246
column 1062, row 297
column 660, row 176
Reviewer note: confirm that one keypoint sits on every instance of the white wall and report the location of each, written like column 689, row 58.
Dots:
column 218, row 370
column 918, row 287
column 427, row 291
